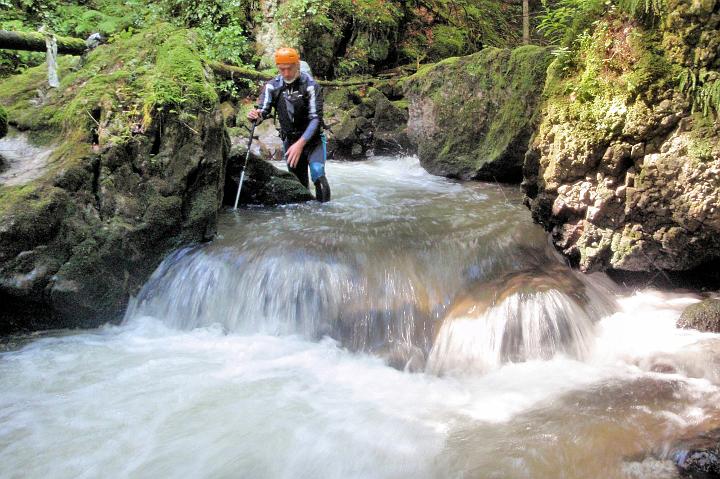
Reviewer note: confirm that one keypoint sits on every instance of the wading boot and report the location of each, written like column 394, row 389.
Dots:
column 322, row 189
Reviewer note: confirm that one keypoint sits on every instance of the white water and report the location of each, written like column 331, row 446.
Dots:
column 225, row 396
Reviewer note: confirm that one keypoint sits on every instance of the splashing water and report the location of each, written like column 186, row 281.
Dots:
column 265, row 354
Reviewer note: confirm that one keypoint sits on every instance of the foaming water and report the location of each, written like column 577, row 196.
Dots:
column 265, row 354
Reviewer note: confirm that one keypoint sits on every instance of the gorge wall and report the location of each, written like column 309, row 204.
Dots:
column 623, row 169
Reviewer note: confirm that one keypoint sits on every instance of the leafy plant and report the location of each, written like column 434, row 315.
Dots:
column 703, row 87
column 644, row 9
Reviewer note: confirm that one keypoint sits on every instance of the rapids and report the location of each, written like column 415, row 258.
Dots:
column 412, row 327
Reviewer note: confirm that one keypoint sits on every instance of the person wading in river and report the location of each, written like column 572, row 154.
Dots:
column 297, row 99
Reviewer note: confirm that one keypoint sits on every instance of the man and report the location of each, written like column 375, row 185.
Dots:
column 297, row 99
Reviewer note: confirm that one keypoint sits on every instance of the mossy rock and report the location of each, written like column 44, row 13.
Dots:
column 472, row 116
column 703, row 316
column 138, row 163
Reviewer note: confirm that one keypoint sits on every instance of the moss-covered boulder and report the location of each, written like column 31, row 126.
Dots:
column 703, row 316
column 137, row 169
column 624, row 166
column 472, row 116
column 362, row 120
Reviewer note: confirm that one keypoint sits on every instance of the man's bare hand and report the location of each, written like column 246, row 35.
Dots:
column 293, row 153
column 254, row 114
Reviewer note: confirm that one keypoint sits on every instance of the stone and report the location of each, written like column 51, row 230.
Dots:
column 698, row 456
column 472, row 117
column 362, row 121
column 652, row 142
column 703, row 316
column 78, row 241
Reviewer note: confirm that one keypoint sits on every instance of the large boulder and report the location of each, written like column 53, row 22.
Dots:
column 624, row 166
column 472, row 117
column 263, row 184
column 137, row 167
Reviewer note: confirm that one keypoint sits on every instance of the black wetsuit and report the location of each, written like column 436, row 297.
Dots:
column 299, row 107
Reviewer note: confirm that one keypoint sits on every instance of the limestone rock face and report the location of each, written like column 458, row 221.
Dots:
column 621, row 171
column 120, row 189
column 472, row 117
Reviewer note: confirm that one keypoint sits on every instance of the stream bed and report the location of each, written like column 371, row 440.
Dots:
column 412, row 327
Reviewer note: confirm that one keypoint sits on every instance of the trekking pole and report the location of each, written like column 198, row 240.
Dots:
column 247, row 156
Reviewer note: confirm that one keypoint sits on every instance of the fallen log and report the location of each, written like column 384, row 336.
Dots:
column 35, row 42
column 234, row 72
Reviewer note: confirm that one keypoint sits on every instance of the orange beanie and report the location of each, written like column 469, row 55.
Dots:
column 286, row 55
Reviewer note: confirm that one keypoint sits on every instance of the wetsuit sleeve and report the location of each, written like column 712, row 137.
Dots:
column 265, row 101
column 315, row 110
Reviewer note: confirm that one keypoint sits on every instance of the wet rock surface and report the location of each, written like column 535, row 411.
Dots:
column 703, row 316
column 366, row 120
column 263, row 184
column 472, row 116
column 698, row 457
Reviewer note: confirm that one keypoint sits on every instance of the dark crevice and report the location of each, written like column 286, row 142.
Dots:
column 96, row 184
column 95, row 132
column 157, row 139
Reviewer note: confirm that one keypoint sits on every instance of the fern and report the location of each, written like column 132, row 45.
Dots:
column 703, row 89
column 647, row 9
column 562, row 21
column 707, row 98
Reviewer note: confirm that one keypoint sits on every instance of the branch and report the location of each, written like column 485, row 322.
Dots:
column 35, row 42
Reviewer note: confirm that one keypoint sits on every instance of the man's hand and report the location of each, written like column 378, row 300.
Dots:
column 254, row 114
column 293, row 153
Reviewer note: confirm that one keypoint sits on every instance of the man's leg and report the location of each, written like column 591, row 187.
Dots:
column 317, row 156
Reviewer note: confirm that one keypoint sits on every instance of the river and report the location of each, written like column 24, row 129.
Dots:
column 412, row 327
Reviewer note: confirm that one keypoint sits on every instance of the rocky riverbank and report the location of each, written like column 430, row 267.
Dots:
column 623, row 168
column 127, row 179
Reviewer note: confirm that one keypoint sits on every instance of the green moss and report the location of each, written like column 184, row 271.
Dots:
column 448, row 41
column 525, row 70
column 118, row 88
column 179, row 78
column 401, row 104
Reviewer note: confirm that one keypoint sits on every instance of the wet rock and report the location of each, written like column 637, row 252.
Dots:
column 263, row 183
column 703, row 316
column 698, row 457
column 530, row 314
column 3, row 125
column 363, row 121
column 122, row 191
column 472, row 116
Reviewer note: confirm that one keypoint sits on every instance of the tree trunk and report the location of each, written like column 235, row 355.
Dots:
column 526, row 21
column 35, row 42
